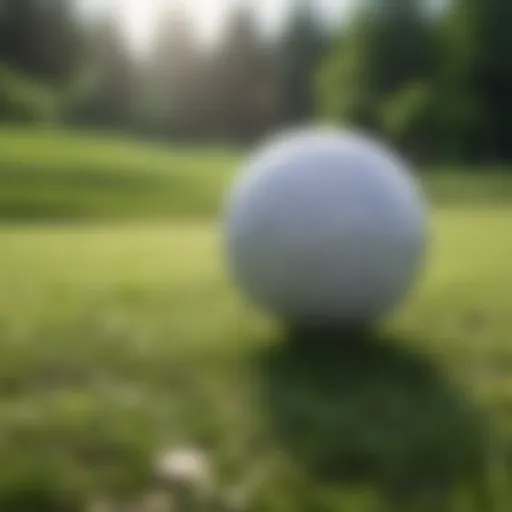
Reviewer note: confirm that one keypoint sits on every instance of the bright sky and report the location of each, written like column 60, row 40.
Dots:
column 136, row 16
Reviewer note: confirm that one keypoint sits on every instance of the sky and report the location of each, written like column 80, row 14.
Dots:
column 136, row 16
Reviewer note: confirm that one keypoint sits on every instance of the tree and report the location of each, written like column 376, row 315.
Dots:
column 176, row 80
column 456, row 106
column 107, row 100
column 303, row 44
column 25, row 100
column 401, row 46
column 475, row 107
column 490, row 70
column 382, row 66
column 343, row 86
column 41, row 38
column 245, row 86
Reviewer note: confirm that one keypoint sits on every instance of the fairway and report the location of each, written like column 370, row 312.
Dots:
column 122, row 340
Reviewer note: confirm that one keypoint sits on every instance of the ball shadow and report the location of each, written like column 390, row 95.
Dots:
column 358, row 408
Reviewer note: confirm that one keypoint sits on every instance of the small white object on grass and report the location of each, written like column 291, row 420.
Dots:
column 325, row 226
column 185, row 466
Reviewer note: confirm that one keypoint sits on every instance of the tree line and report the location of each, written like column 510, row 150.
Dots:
column 434, row 78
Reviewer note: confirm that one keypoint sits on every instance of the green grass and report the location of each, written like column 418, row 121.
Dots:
column 124, row 337
column 122, row 340
column 47, row 174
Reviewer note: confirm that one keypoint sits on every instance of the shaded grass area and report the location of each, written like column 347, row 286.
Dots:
column 122, row 341
column 64, row 175
column 468, row 187
column 364, row 410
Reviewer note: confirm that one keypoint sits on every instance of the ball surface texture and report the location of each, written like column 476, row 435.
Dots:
column 325, row 225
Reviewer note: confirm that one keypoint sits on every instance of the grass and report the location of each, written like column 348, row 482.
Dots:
column 124, row 337
column 47, row 174
column 122, row 340
column 61, row 175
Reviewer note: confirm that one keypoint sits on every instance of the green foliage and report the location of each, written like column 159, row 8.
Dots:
column 373, row 76
column 404, row 112
column 42, row 39
column 103, row 91
column 491, row 72
column 457, row 107
column 408, row 117
column 302, row 46
column 434, row 79
column 435, row 82
column 343, row 87
column 24, row 100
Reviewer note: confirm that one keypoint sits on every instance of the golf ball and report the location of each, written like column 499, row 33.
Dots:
column 325, row 225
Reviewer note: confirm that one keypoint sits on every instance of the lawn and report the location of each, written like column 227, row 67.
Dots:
column 123, row 339
column 48, row 174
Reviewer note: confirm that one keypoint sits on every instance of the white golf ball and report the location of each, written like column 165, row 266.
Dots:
column 325, row 225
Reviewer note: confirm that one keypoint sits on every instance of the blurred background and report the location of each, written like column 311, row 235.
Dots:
column 133, row 376
column 433, row 76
